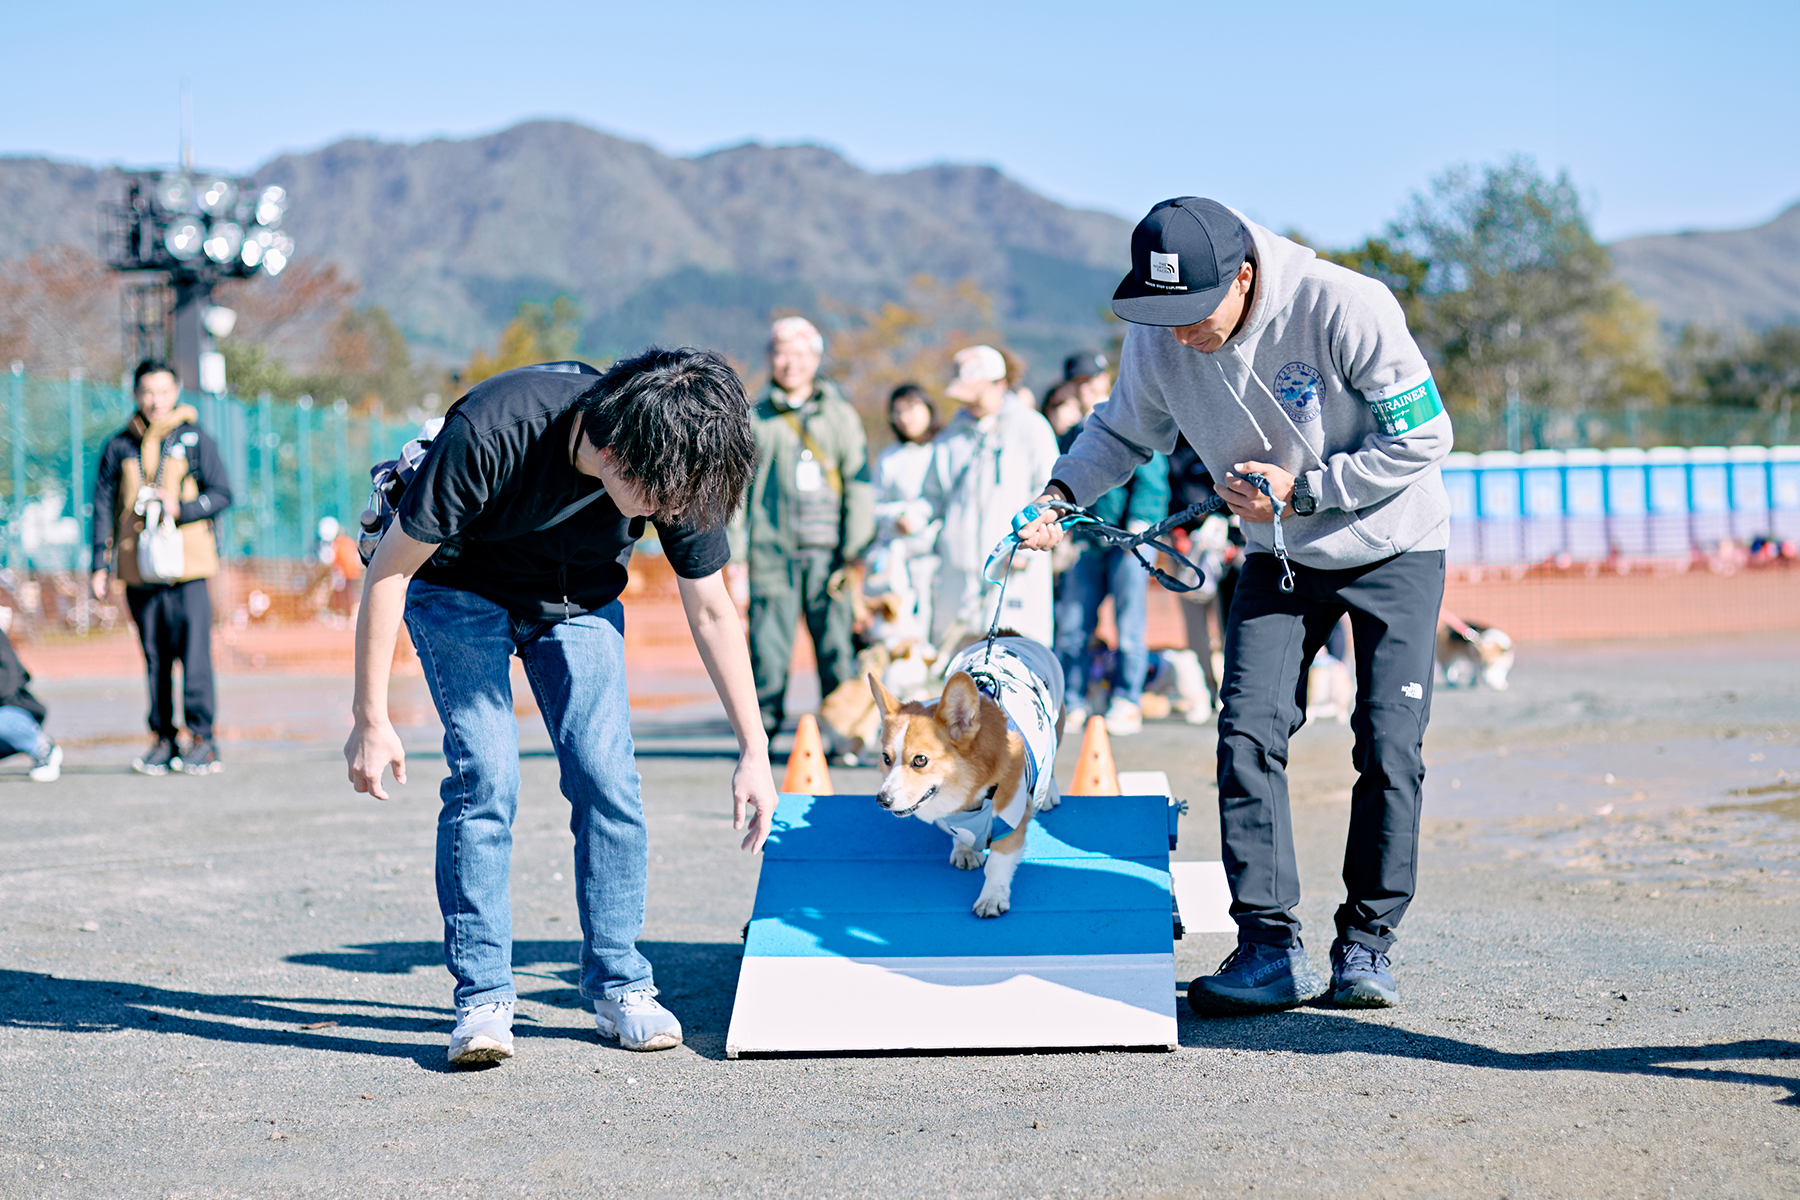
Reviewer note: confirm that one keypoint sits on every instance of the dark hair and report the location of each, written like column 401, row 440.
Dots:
column 912, row 391
column 153, row 366
column 678, row 425
column 1066, row 392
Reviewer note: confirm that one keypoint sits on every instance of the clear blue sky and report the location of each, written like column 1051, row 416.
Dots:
column 1323, row 117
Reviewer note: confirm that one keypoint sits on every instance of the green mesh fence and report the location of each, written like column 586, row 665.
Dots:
column 289, row 463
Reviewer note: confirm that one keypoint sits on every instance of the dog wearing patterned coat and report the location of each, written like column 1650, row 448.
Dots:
column 981, row 753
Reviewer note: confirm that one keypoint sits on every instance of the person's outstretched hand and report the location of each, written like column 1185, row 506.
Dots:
column 372, row 749
column 753, row 797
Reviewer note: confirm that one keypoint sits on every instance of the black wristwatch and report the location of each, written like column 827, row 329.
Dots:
column 1304, row 502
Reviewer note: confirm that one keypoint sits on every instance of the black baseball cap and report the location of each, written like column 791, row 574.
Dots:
column 1184, row 255
column 1083, row 364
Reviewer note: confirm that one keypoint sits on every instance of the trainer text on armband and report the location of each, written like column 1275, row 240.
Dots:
column 1408, row 410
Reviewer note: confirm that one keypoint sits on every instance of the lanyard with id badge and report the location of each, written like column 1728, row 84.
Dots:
column 818, row 489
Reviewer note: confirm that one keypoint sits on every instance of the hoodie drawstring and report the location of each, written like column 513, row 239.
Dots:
column 1239, row 397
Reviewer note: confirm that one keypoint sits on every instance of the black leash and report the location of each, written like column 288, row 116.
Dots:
column 1111, row 536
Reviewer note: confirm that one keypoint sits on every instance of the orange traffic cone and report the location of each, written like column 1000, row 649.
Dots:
column 806, row 774
column 1095, row 774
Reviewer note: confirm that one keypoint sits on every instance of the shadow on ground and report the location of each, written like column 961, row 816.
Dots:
column 697, row 979
column 1314, row 1031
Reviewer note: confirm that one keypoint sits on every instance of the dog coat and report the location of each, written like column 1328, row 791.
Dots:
column 1023, row 677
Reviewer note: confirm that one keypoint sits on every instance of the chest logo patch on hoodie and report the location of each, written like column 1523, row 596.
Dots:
column 1300, row 389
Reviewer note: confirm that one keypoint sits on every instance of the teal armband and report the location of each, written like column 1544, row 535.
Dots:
column 1409, row 409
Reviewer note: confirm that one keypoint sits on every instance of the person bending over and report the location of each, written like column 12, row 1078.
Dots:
column 513, row 539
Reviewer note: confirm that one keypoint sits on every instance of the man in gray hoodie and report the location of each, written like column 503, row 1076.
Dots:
column 1279, row 365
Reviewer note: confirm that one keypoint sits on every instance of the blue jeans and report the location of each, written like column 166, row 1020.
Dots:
column 577, row 672
column 1096, row 573
column 19, row 731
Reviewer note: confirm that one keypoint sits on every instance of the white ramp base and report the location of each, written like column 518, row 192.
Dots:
column 813, row 1004
column 862, row 938
column 1144, row 783
column 1203, row 897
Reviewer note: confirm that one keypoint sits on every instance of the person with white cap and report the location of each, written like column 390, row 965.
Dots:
column 1300, row 388
column 809, row 516
column 992, row 457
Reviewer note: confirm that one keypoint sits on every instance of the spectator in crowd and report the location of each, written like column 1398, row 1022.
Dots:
column 993, row 456
column 1063, row 408
column 22, row 719
column 1091, row 373
column 904, row 557
column 1280, row 366
column 163, row 466
column 539, row 483
column 1101, row 571
column 807, row 520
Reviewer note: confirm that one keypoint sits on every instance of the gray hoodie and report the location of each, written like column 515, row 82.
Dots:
column 1323, row 380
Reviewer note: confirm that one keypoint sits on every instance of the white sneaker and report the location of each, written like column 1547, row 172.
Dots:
column 1075, row 719
column 483, row 1034
column 1123, row 718
column 638, row 1021
column 48, row 768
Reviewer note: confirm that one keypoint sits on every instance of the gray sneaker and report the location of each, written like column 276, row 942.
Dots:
column 161, row 759
column 1256, row 978
column 483, row 1034
column 1361, row 977
column 638, row 1021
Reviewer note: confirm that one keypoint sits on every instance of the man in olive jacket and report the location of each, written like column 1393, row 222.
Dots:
column 810, row 515
column 163, row 456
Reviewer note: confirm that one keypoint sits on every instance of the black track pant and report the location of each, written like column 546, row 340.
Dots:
column 175, row 624
column 1270, row 640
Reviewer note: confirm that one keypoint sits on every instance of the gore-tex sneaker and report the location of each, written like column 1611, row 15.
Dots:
column 200, row 758
column 1256, row 978
column 483, row 1034
column 46, row 764
column 1360, row 977
column 161, row 759
column 638, row 1021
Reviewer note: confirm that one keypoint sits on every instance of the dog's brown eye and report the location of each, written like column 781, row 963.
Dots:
column 919, row 761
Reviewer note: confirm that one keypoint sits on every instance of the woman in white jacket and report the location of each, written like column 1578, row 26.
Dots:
column 990, row 461
column 903, row 560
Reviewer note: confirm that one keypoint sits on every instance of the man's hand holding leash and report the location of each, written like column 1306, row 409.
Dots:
column 1045, row 532
column 1249, row 503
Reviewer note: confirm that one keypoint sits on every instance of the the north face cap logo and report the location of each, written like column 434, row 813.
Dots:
column 1165, row 268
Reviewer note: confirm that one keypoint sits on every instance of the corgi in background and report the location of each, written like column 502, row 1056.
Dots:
column 1471, row 654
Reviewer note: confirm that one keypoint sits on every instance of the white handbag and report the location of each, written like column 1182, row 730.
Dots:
column 159, row 553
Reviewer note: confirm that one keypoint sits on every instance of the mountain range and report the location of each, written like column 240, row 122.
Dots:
column 450, row 235
column 1738, row 277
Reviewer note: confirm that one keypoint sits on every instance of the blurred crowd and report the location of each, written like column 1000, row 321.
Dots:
column 881, row 555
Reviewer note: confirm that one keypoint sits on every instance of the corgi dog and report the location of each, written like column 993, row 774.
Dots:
column 1471, row 654
column 983, row 750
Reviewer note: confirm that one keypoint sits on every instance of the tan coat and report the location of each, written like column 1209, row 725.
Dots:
column 200, row 549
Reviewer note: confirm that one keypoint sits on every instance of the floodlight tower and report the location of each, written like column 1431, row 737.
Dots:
column 197, row 228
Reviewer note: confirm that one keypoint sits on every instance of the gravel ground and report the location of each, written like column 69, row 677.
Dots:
column 232, row 986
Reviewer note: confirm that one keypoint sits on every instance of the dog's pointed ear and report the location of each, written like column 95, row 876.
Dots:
column 959, row 711
column 884, row 699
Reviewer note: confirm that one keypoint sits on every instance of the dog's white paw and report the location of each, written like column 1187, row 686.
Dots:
column 992, row 904
column 965, row 858
column 1051, row 799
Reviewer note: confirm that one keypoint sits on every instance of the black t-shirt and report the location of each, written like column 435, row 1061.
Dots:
column 497, row 472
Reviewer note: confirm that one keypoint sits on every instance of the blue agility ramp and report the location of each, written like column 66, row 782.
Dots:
column 862, row 936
